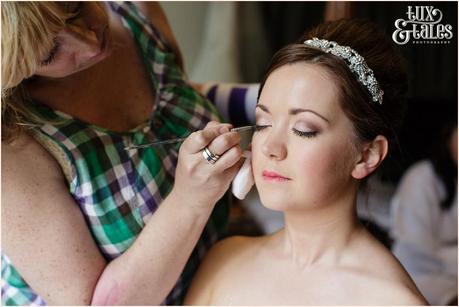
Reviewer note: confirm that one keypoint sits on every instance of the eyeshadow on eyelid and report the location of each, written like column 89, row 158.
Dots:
column 306, row 125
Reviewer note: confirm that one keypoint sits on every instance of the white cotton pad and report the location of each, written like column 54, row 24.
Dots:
column 243, row 181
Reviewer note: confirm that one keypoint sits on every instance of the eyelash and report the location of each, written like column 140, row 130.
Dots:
column 55, row 49
column 261, row 127
column 308, row 134
column 303, row 134
column 52, row 54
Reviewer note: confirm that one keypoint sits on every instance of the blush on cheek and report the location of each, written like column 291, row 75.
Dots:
column 256, row 156
column 318, row 172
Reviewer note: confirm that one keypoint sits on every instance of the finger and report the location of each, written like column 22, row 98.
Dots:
column 225, row 126
column 224, row 142
column 228, row 159
column 210, row 124
column 196, row 141
column 230, row 173
column 233, row 170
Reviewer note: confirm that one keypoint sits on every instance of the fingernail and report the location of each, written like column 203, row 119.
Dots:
column 224, row 129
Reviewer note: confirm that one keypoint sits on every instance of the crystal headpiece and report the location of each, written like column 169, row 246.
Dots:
column 355, row 62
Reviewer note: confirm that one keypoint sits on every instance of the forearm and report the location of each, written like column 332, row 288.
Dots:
column 146, row 273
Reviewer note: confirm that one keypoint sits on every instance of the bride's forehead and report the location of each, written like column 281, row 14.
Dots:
column 300, row 84
column 306, row 72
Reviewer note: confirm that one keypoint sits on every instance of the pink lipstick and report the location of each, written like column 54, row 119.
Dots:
column 273, row 176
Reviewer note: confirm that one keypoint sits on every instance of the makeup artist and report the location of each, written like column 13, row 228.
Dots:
column 85, row 220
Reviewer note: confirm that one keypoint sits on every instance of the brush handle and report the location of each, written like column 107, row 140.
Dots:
column 179, row 140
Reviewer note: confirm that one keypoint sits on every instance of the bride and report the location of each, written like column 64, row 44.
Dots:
column 326, row 116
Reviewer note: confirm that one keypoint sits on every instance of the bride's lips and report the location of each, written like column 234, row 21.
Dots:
column 273, row 176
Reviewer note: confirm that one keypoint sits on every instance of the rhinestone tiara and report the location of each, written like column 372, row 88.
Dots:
column 355, row 62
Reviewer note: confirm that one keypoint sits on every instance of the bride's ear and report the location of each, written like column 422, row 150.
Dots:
column 370, row 157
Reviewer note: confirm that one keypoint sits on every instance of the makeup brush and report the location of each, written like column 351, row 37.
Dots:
column 179, row 140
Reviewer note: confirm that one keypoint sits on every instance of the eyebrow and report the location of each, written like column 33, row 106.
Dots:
column 294, row 111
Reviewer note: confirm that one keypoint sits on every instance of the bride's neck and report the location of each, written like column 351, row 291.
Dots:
column 319, row 234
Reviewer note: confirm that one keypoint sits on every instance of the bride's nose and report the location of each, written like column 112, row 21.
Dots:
column 274, row 146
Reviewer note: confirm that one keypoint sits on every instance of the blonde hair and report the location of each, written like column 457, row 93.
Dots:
column 28, row 32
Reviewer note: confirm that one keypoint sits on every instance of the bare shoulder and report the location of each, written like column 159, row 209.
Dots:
column 224, row 258
column 400, row 294
column 27, row 169
column 386, row 292
column 391, row 284
column 43, row 226
column 30, row 177
column 235, row 245
column 24, row 159
column 230, row 253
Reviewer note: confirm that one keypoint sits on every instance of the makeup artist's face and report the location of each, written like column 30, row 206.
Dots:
column 306, row 156
column 83, row 42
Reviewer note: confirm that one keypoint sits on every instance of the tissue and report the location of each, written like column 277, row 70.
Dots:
column 243, row 181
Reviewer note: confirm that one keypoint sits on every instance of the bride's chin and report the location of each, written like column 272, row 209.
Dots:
column 274, row 202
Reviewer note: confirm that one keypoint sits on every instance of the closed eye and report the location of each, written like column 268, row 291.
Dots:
column 261, row 127
column 52, row 54
column 305, row 134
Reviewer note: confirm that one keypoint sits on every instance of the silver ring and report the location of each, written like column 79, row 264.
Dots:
column 210, row 156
